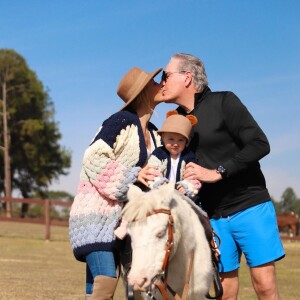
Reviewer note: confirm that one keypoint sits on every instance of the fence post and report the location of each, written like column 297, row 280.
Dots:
column 47, row 219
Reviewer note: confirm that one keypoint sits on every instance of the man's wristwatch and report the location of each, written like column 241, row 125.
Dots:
column 222, row 171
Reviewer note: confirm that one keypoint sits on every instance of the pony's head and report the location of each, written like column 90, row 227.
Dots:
column 148, row 226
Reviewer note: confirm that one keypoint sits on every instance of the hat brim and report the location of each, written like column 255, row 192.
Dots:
column 160, row 132
column 141, row 87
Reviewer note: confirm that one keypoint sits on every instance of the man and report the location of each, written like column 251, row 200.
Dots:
column 228, row 143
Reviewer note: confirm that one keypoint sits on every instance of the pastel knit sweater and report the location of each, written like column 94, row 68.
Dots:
column 161, row 159
column 110, row 164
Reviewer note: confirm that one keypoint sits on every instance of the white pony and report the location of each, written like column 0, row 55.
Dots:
column 149, row 216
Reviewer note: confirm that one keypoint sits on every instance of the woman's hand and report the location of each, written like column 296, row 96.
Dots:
column 148, row 173
column 194, row 171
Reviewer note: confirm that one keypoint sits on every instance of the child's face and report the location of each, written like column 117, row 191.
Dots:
column 174, row 143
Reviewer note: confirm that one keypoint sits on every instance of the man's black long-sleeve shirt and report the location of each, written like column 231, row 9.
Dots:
column 226, row 134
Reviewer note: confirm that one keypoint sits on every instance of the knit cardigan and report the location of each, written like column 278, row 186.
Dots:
column 110, row 164
column 161, row 159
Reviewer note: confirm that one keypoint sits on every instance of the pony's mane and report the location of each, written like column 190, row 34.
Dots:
column 141, row 203
column 137, row 209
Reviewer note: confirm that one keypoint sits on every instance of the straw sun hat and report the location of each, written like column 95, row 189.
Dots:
column 133, row 83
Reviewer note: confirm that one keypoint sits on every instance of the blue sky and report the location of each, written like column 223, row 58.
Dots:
column 81, row 49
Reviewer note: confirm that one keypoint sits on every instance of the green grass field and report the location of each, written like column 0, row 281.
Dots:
column 32, row 268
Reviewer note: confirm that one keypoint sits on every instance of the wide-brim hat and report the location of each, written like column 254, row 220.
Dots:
column 133, row 83
column 177, row 124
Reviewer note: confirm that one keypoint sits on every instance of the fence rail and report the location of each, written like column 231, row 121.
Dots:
column 288, row 224
column 47, row 209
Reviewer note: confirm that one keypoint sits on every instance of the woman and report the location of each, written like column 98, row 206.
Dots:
column 112, row 162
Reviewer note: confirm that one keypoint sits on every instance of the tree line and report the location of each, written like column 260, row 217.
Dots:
column 31, row 152
column 289, row 202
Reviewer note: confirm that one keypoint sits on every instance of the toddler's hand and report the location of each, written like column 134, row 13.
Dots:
column 181, row 189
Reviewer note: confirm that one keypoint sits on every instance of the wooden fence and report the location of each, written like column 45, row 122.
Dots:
column 48, row 222
column 47, row 209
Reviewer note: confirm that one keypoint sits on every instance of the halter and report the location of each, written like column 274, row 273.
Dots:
column 160, row 280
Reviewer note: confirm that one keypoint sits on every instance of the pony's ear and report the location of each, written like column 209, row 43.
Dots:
column 134, row 192
column 167, row 191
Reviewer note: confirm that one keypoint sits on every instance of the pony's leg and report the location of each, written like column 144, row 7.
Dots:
column 294, row 230
column 291, row 231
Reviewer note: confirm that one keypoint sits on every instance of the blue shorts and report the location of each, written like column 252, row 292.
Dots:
column 254, row 232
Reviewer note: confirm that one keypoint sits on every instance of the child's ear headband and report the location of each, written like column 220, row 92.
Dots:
column 191, row 118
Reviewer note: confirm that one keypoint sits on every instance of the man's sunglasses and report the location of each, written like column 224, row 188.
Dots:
column 165, row 75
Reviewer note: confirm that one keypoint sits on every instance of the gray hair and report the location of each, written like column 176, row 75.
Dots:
column 188, row 62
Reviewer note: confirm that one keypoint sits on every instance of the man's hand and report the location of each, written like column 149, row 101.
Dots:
column 194, row 171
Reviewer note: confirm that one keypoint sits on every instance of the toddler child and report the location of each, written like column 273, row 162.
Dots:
column 171, row 158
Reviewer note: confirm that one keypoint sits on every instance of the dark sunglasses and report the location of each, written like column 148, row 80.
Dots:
column 165, row 75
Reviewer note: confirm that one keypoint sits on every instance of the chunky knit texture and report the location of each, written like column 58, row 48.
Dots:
column 110, row 164
column 161, row 159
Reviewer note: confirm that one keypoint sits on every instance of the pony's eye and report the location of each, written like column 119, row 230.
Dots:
column 161, row 233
